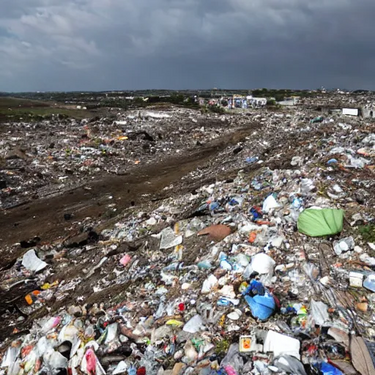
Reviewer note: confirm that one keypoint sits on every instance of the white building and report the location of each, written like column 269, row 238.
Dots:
column 289, row 101
column 256, row 102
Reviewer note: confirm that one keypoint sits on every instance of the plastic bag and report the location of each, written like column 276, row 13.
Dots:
column 281, row 345
column 319, row 312
column 32, row 262
column 269, row 204
column 262, row 307
column 289, row 364
column 263, row 264
column 209, row 284
column 233, row 358
column 194, row 324
column 169, row 239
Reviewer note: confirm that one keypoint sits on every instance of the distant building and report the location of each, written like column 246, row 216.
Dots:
column 239, row 102
column 256, row 102
column 293, row 100
column 213, row 102
column 235, row 101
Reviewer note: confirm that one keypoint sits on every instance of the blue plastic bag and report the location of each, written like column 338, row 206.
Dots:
column 262, row 307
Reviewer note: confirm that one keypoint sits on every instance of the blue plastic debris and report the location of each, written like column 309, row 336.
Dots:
column 223, row 301
column 262, row 307
column 236, row 201
column 256, row 213
column 213, row 206
column 255, row 287
column 327, row 369
column 250, row 160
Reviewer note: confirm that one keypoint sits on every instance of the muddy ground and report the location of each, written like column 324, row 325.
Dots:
column 44, row 218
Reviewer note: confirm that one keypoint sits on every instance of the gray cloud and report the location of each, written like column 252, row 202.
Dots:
column 121, row 44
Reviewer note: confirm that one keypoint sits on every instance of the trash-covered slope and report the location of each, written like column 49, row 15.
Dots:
column 268, row 268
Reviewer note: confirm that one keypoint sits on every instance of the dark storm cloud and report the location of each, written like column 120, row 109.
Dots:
column 123, row 44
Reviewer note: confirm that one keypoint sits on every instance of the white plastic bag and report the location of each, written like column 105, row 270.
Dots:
column 209, row 284
column 269, row 204
column 280, row 344
column 263, row 264
column 319, row 312
column 194, row 324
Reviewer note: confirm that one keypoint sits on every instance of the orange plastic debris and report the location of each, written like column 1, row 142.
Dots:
column 252, row 237
column 29, row 299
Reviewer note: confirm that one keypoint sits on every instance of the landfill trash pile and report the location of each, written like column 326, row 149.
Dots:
column 269, row 271
column 40, row 159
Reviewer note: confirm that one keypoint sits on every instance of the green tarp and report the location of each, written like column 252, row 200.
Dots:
column 324, row 222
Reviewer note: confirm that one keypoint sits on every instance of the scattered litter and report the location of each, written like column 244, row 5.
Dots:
column 267, row 266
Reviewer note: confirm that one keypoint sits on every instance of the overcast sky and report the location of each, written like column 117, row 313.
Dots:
column 58, row 45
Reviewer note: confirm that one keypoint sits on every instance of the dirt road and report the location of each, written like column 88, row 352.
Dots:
column 44, row 218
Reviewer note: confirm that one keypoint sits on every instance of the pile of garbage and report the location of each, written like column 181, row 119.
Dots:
column 270, row 272
column 38, row 159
